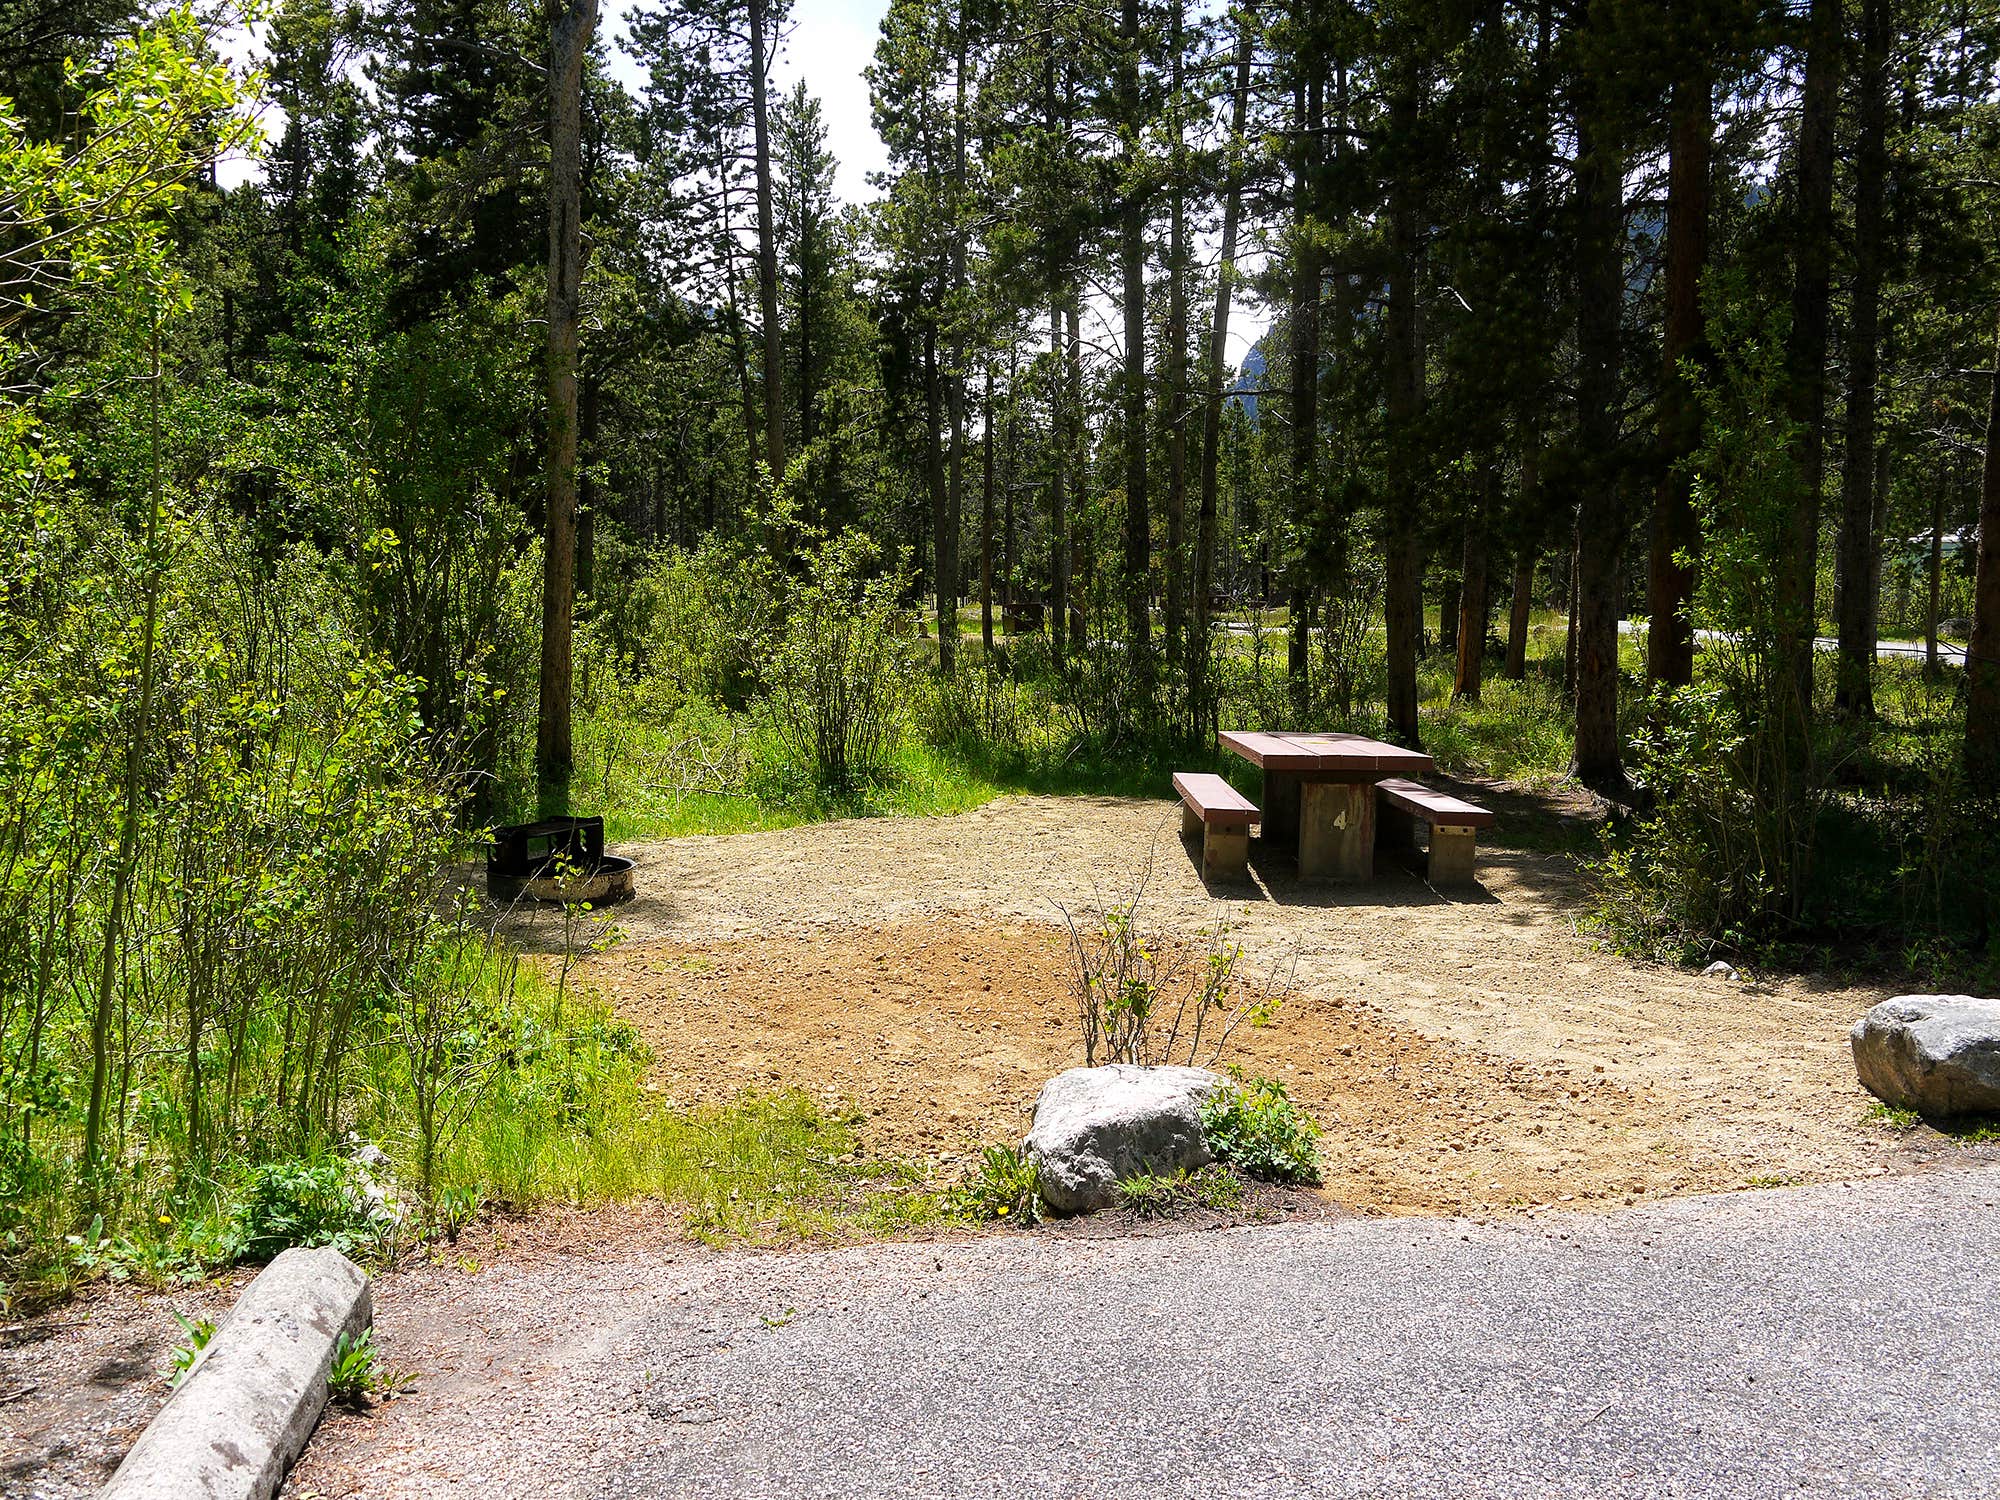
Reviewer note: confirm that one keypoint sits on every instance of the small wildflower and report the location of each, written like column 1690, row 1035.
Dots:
column 166, row 1218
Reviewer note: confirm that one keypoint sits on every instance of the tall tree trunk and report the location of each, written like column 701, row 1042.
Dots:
column 1079, row 558
column 1132, row 258
column 570, row 30
column 952, row 573
column 1676, row 535
column 767, row 250
column 1860, row 543
column 986, row 519
column 1217, row 367
column 1403, row 611
column 1472, row 594
column 1805, row 355
column 1520, row 606
column 1305, row 377
column 1010, row 580
column 944, row 527
column 1600, row 266
column 1176, row 356
column 1058, row 608
column 1982, row 651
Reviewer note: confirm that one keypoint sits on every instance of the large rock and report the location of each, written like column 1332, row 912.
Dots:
column 1936, row 1054
column 1095, row 1127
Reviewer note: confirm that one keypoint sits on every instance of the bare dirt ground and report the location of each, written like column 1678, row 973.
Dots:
column 1465, row 1052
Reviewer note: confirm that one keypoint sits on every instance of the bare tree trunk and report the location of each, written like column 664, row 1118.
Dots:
column 944, row 523
column 1058, row 609
column 1520, row 606
column 1932, row 669
column 986, row 519
column 1676, row 536
column 1466, row 680
column 1982, row 652
column 1177, row 362
column 1305, row 379
column 1805, row 355
column 1600, row 520
column 767, row 250
column 1010, row 580
column 1132, row 257
column 1860, row 546
column 1218, row 357
column 1403, row 605
column 569, row 42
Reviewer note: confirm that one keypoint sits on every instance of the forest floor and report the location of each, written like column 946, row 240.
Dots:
column 1466, row 1053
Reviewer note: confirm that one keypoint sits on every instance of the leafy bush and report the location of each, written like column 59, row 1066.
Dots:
column 1254, row 1126
column 837, row 669
column 1149, row 999
column 309, row 1203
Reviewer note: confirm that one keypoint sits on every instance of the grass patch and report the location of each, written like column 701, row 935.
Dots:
column 1148, row 1196
column 1893, row 1117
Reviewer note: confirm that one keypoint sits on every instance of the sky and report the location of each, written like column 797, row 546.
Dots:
column 827, row 44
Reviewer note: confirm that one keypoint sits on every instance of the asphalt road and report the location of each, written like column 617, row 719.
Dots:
column 1815, row 1341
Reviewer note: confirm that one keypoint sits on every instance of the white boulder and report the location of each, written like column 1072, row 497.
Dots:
column 1096, row 1127
column 1936, row 1054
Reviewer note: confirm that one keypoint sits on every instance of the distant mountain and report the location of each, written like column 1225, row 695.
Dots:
column 1249, row 381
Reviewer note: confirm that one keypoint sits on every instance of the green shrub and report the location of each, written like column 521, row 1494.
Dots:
column 1254, row 1126
column 310, row 1202
column 1003, row 1187
column 836, row 672
column 1148, row 1196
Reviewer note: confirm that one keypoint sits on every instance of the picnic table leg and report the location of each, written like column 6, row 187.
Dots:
column 1451, row 859
column 1281, row 807
column 1337, row 829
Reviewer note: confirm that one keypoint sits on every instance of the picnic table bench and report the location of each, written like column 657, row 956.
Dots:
column 1222, row 816
column 1453, row 822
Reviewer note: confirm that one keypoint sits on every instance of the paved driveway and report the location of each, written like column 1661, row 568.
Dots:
column 1817, row 1341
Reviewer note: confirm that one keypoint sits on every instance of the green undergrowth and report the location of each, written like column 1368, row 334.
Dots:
column 551, row 1106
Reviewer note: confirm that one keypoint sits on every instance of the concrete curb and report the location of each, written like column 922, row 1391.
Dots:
column 235, row 1425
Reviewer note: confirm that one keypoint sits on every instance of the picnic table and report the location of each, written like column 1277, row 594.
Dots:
column 1319, row 789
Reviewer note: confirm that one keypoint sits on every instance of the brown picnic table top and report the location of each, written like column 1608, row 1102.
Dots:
column 1336, row 753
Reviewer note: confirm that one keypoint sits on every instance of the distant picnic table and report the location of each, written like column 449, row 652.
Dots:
column 1319, row 789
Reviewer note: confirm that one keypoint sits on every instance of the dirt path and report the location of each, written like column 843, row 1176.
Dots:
column 1465, row 1052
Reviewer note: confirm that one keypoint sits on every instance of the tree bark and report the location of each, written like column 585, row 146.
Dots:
column 1982, row 652
column 1466, row 680
column 1860, row 544
column 1132, row 257
column 1600, row 265
column 1058, row 607
column 1403, row 605
column 1805, row 355
column 1676, row 536
column 1218, row 357
column 1305, row 374
column 569, row 43
column 1176, row 373
column 767, row 251
column 986, row 519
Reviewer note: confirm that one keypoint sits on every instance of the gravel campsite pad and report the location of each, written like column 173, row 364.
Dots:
column 1464, row 1051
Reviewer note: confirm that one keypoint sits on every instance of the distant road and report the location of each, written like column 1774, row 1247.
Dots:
column 1884, row 650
